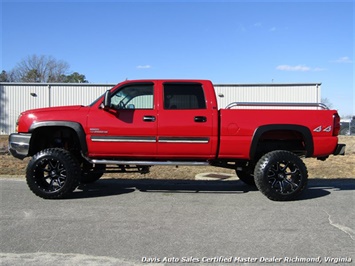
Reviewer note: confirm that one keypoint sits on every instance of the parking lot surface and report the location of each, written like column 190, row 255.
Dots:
column 145, row 222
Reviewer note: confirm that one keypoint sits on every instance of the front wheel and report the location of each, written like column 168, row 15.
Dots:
column 281, row 175
column 52, row 173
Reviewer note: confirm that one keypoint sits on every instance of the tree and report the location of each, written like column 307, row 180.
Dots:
column 32, row 76
column 4, row 77
column 327, row 103
column 75, row 78
column 41, row 68
column 7, row 76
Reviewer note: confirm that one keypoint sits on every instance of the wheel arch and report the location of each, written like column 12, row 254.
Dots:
column 66, row 125
column 300, row 130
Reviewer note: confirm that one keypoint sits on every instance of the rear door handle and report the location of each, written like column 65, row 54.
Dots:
column 149, row 118
column 200, row 119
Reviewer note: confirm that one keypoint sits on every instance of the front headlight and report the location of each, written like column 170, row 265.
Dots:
column 17, row 121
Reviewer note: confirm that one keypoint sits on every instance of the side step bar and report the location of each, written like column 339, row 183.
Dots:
column 149, row 163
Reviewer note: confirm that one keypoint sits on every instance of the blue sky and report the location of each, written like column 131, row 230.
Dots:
column 225, row 41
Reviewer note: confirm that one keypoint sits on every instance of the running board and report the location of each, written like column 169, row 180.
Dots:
column 167, row 163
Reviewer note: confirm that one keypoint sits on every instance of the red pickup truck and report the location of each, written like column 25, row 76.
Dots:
column 142, row 123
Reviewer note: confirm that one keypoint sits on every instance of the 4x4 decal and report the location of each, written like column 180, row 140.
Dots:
column 328, row 129
column 319, row 129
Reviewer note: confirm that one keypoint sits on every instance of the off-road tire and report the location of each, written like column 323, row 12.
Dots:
column 53, row 173
column 281, row 175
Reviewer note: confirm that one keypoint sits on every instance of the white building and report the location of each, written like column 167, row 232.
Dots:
column 18, row 97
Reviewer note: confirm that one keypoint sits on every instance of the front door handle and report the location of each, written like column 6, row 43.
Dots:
column 149, row 118
column 200, row 119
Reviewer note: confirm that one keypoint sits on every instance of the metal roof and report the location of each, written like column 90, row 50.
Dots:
column 114, row 84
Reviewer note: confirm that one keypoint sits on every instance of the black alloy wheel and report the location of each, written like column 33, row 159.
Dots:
column 281, row 175
column 52, row 173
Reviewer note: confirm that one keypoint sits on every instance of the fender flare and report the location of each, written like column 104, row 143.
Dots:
column 73, row 125
column 304, row 131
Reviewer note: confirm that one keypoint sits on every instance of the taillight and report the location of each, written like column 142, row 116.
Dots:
column 336, row 124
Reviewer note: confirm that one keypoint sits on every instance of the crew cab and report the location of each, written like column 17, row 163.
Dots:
column 141, row 123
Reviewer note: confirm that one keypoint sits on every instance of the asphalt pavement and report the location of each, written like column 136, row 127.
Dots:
column 164, row 222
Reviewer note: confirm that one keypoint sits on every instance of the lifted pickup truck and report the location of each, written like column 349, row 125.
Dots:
column 142, row 123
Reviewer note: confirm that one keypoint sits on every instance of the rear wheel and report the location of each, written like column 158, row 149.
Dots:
column 52, row 173
column 281, row 175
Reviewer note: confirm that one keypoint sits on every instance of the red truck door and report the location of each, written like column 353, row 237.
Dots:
column 186, row 122
column 129, row 127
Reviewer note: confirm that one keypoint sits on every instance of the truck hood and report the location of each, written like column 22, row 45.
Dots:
column 54, row 109
column 75, row 113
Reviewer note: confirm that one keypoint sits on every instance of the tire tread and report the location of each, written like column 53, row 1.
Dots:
column 72, row 168
column 260, row 172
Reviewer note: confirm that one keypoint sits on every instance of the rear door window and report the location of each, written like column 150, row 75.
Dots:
column 183, row 96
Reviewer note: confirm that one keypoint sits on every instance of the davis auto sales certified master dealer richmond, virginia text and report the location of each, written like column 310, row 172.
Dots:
column 232, row 259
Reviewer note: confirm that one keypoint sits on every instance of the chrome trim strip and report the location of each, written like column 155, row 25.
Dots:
column 123, row 139
column 320, row 105
column 123, row 162
column 183, row 140
column 195, row 140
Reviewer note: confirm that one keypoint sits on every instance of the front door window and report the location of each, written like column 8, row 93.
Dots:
column 133, row 97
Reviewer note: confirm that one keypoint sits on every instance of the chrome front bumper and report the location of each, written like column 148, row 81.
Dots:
column 19, row 145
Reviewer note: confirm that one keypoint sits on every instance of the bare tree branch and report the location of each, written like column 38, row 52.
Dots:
column 41, row 68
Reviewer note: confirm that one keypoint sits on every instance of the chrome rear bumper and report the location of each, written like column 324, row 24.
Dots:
column 340, row 149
